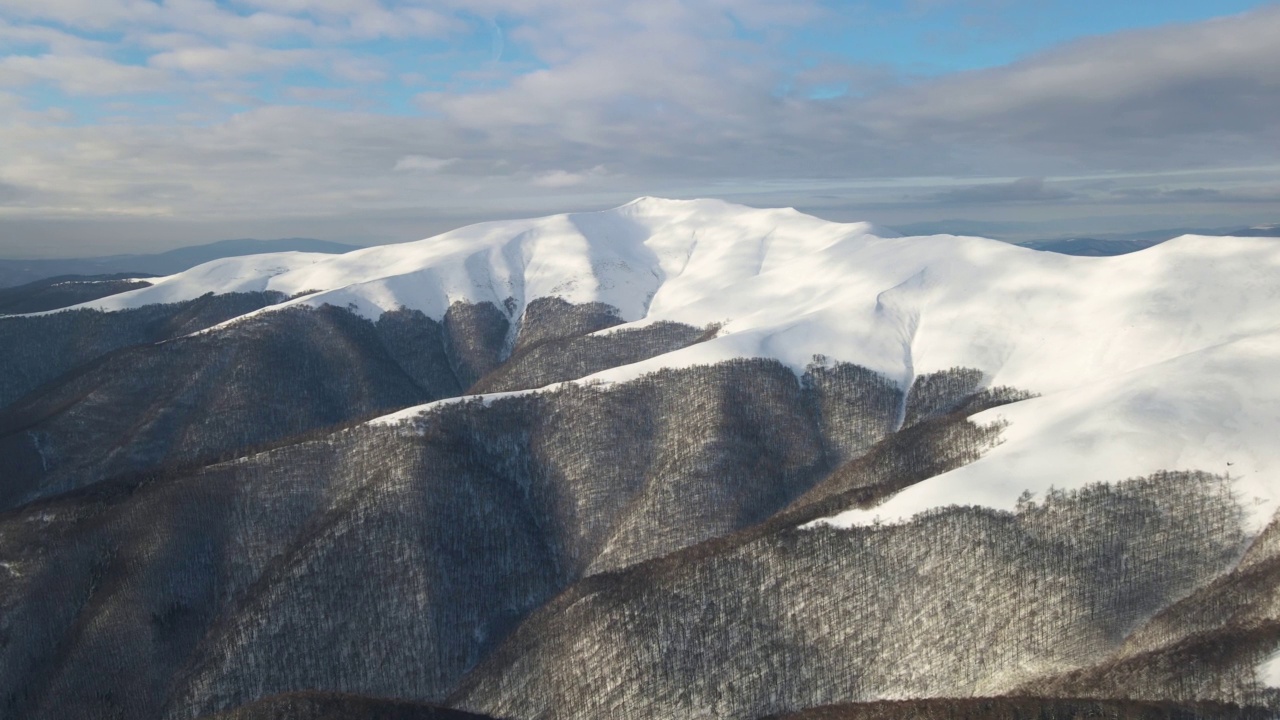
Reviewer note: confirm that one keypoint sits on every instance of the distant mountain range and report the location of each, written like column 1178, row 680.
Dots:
column 1124, row 244
column 1102, row 245
column 20, row 272
column 676, row 459
column 1120, row 244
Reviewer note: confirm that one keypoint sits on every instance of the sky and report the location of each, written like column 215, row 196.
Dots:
column 142, row 125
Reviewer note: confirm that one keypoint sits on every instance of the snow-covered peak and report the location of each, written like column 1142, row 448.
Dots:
column 626, row 257
column 788, row 285
column 1155, row 360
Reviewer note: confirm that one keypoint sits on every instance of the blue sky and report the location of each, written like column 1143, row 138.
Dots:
column 931, row 38
column 134, row 124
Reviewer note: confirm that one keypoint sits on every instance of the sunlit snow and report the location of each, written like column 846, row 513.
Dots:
column 1163, row 359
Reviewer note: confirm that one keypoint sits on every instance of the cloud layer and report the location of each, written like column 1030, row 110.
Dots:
column 272, row 109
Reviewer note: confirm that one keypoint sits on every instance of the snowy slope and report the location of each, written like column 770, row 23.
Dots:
column 1160, row 359
column 1216, row 409
column 642, row 258
column 248, row 273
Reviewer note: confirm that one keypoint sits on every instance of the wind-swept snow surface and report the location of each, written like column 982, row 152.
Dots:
column 1162, row 359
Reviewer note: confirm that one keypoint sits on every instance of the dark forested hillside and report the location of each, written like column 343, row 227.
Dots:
column 390, row 560
column 201, row 396
column 329, row 706
column 64, row 291
column 1027, row 708
column 961, row 601
column 137, row 392
column 35, row 350
column 201, row 521
column 1229, row 625
column 318, row 706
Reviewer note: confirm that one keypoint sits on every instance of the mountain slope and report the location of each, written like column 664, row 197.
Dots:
column 36, row 349
column 63, row 291
column 217, row 394
column 320, row 706
column 1017, row 708
column 958, row 602
column 1120, row 244
column 783, row 285
column 201, row 397
column 411, row 550
column 675, row 458
column 19, row 272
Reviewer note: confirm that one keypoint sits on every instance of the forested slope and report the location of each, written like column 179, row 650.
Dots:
column 210, row 395
column 389, row 559
column 35, row 349
column 674, row 459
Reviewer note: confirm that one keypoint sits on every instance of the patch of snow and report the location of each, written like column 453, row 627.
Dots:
column 1268, row 673
column 416, row 411
column 40, row 450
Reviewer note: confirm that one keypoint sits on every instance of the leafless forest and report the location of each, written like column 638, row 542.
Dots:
column 204, row 525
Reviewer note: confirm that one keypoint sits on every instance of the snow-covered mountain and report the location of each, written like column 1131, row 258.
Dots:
column 1157, row 360
column 673, row 459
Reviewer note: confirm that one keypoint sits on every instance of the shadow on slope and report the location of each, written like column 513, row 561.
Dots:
column 198, row 399
column 1207, row 646
column 959, row 601
column 329, row 706
column 1026, row 708
column 390, row 560
column 266, row 378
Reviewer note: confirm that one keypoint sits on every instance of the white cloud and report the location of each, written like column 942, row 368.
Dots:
column 667, row 95
column 81, row 74
column 55, row 40
column 84, row 14
column 1191, row 94
column 234, row 61
column 357, row 70
column 324, row 20
column 423, row 163
column 400, row 23
column 564, row 178
column 317, row 94
column 1020, row 190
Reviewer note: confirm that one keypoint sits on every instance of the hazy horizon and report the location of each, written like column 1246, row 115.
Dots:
column 159, row 236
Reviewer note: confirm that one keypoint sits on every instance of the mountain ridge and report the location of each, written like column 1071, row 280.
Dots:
column 15, row 272
column 677, row 457
column 780, row 284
